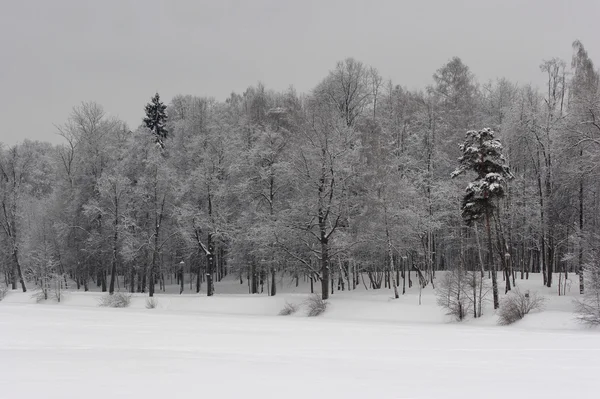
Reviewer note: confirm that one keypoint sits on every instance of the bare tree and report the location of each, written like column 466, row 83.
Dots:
column 349, row 88
column 16, row 165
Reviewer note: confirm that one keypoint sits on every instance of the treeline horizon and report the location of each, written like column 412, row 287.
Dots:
column 349, row 184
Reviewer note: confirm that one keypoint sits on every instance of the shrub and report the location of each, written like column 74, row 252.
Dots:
column 52, row 291
column 478, row 289
column 588, row 313
column 151, row 303
column 451, row 294
column 116, row 300
column 288, row 309
column 57, row 292
column 39, row 295
column 517, row 304
column 588, row 308
column 3, row 292
column 316, row 306
column 50, row 286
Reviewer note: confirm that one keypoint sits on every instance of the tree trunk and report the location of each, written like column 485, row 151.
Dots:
column 550, row 258
column 503, row 252
column 474, row 294
column 391, row 255
column 254, row 278
column 210, row 263
column 103, row 279
column 324, row 267
column 198, row 279
column 132, row 280
column 491, row 263
column 273, row 281
column 152, row 272
column 19, row 272
column 113, row 269
column 13, row 278
column 404, row 262
column 478, row 249
column 332, row 280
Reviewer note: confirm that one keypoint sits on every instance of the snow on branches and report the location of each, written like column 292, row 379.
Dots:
column 482, row 154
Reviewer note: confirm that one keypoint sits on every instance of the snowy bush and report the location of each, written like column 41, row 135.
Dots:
column 451, row 294
column 477, row 292
column 151, row 303
column 3, row 291
column 588, row 308
column 58, row 293
column 517, row 304
column 50, row 286
column 316, row 306
column 51, row 290
column 116, row 300
column 39, row 295
column 288, row 309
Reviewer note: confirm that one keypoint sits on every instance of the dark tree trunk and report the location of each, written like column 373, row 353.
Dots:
column 152, row 272
column 404, row 261
column 144, row 280
column 550, row 259
column 273, row 281
column 113, row 273
column 210, row 265
column 210, row 254
column 19, row 273
column 132, row 280
column 198, row 279
column 85, row 278
column 332, row 280
column 103, row 278
column 491, row 263
column 181, row 274
column 13, row 278
column 324, row 267
column 254, row 278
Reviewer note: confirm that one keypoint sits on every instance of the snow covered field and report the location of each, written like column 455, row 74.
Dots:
column 233, row 346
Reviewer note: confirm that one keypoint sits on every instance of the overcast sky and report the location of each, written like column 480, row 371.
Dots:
column 55, row 54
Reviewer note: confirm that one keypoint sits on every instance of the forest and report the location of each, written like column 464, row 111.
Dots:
column 360, row 182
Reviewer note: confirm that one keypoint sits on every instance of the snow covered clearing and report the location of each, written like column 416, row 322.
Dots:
column 232, row 346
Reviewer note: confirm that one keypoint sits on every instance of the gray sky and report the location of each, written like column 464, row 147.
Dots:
column 55, row 54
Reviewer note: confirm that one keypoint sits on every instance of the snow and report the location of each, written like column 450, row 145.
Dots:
column 234, row 345
column 494, row 177
column 493, row 144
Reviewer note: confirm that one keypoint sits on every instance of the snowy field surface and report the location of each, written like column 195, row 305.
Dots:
column 235, row 346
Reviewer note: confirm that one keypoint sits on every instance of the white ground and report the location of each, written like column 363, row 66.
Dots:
column 234, row 346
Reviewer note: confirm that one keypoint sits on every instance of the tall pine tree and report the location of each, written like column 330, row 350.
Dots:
column 156, row 118
column 482, row 154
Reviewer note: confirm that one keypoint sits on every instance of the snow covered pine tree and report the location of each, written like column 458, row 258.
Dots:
column 156, row 118
column 482, row 154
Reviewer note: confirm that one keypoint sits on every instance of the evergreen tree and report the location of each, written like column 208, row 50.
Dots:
column 156, row 118
column 482, row 154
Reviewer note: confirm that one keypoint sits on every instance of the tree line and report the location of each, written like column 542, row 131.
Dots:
column 347, row 185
